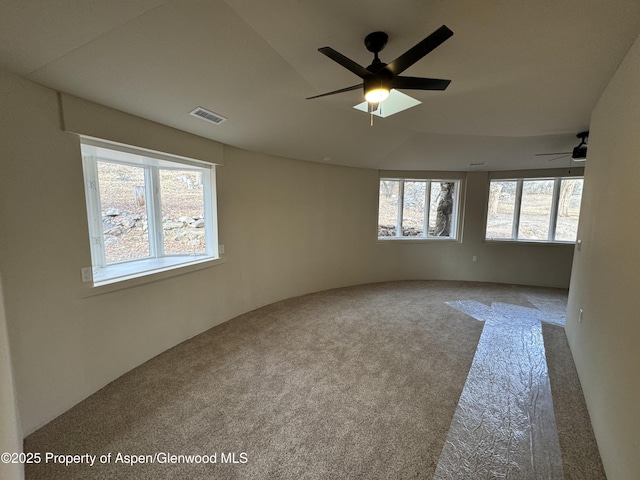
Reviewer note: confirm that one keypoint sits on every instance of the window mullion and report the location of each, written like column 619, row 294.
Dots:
column 454, row 211
column 516, row 210
column 154, row 212
column 555, row 201
column 92, row 195
column 400, row 208
column 210, row 209
column 427, row 208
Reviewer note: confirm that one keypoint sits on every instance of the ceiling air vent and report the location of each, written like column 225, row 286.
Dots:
column 207, row 115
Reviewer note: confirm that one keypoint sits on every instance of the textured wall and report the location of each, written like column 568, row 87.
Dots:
column 606, row 274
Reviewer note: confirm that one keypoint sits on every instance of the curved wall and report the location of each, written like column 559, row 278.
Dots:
column 289, row 227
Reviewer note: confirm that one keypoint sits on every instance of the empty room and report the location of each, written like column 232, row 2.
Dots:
column 320, row 240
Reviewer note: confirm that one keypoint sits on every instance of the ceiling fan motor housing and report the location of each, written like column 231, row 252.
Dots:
column 377, row 81
column 376, row 41
column 580, row 152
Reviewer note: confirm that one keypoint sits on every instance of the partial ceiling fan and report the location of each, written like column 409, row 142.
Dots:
column 379, row 77
column 579, row 153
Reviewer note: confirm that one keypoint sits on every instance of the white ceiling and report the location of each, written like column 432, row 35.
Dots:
column 525, row 75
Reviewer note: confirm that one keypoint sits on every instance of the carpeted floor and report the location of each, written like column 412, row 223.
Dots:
column 359, row 382
column 581, row 459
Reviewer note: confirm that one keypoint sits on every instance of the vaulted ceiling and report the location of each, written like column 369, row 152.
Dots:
column 525, row 75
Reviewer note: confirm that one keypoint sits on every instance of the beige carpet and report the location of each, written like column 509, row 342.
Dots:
column 359, row 382
column 581, row 459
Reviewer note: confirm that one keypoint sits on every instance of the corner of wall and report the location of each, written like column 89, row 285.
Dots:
column 10, row 431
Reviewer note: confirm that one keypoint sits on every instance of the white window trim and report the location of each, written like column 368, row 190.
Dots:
column 157, row 262
column 517, row 208
column 455, row 214
column 151, row 276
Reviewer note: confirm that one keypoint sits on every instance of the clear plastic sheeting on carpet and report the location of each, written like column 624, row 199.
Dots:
column 504, row 425
column 552, row 310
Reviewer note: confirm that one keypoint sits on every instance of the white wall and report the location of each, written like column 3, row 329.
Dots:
column 289, row 227
column 605, row 282
column 10, row 435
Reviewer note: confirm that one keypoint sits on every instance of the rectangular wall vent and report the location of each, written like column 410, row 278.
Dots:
column 207, row 115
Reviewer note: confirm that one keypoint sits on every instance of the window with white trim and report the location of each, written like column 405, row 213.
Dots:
column 147, row 211
column 414, row 209
column 534, row 209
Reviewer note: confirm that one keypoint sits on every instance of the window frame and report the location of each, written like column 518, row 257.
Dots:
column 553, row 214
column 152, row 162
column 456, row 223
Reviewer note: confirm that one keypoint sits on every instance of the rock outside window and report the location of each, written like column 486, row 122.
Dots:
column 147, row 211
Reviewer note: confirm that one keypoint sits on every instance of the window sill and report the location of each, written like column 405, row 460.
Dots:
column 497, row 241
column 131, row 274
column 382, row 240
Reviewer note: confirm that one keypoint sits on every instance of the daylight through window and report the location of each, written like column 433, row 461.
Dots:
column 146, row 211
column 537, row 210
column 418, row 209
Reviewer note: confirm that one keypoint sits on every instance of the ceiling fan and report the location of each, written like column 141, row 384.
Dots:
column 578, row 154
column 379, row 77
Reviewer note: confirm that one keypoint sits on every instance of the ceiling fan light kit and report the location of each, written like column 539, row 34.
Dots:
column 379, row 78
column 376, row 94
column 397, row 102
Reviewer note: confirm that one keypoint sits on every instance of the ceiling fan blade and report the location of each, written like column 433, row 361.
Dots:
column 347, row 89
column 347, row 63
column 417, row 83
column 418, row 51
column 555, row 153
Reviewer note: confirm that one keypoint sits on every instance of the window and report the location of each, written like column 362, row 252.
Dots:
column 537, row 210
column 147, row 212
column 418, row 209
